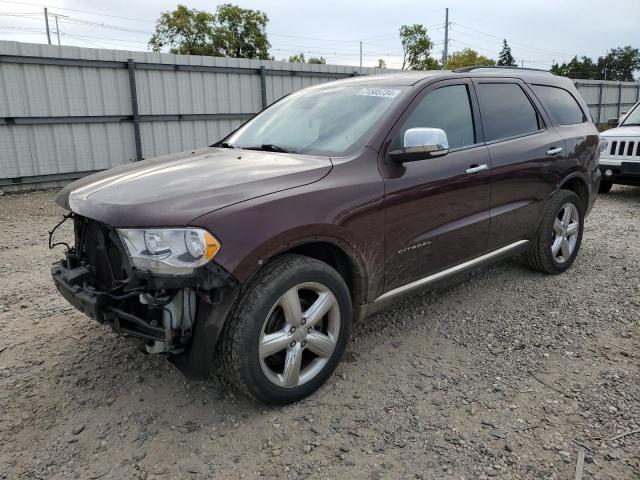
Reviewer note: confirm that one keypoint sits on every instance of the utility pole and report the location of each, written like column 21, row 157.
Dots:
column 445, row 54
column 46, row 22
column 360, row 56
column 522, row 64
column 57, row 29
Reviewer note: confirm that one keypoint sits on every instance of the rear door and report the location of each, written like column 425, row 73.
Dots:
column 523, row 147
column 574, row 126
column 437, row 213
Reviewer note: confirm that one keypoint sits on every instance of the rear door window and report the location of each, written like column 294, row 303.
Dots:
column 506, row 111
column 561, row 104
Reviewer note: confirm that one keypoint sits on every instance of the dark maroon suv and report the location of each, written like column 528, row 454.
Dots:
column 261, row 250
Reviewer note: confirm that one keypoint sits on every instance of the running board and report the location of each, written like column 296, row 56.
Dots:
column 449, row 271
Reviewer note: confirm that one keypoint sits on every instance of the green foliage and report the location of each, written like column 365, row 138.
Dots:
column 184, row 31
column 619, row 64
column 468, row 58
column 241, row 32
column 382, row 63
column 416, row 46
column 231, row 31
column 583, row 68
column 505, row 58
column 297, row 58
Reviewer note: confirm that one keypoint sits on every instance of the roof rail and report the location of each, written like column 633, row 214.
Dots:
column 499, row 68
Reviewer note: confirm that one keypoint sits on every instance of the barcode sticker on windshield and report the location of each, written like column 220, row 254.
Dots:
column 379, row 92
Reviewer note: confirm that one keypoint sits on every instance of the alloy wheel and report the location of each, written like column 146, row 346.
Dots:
column 565, row 233
column 299, row 335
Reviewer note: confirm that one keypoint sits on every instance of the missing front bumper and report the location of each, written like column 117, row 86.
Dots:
column 73, row 285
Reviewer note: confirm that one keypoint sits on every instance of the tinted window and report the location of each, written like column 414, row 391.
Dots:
column 560, row 103
column 447, row 108
column 506, row 111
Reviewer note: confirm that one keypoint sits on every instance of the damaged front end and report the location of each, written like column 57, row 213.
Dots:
column 162, row 312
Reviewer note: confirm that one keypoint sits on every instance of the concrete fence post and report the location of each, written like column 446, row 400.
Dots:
column 134, row 108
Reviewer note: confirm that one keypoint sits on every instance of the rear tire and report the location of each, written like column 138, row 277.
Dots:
column 288, row 331
column 605, row 186
column 560, row 235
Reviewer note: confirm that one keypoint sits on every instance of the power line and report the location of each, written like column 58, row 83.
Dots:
column 522, row 45
column 81, row 21
column 76, row 10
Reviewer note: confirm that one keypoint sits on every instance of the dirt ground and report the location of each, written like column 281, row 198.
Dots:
column 510, row 374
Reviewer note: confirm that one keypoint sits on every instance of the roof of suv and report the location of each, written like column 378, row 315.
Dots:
column 414, row 77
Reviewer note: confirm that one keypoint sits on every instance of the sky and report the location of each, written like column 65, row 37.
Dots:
column 538, row 31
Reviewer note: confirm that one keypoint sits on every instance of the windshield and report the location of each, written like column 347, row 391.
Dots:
column 332, row 121
column 632, row 118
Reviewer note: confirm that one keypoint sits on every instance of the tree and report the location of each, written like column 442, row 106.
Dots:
column 231, row 31
column 468, row 58
column 505, row 59
column 416, row 46
column 297, row 58
column 619, row 64
column 382, row 63
column 241, row 32
column 185, row 31
column 583, row 68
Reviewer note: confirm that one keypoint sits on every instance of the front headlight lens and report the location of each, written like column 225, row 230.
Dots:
column 604, row 144
column 175, row 251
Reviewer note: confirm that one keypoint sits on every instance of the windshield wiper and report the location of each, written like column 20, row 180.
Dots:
column 630, row 125
column 270, row 147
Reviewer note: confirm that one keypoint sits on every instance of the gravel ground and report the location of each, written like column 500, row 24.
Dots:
column 510, row 374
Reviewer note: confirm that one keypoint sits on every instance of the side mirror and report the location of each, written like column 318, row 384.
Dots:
column 420, row 144
column 612, row 122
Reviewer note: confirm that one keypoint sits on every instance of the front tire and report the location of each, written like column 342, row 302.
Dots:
column 558, row 241
column 288, row 331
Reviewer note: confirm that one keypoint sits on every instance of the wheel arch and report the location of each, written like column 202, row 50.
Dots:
column 577, row 183
column 337, row 257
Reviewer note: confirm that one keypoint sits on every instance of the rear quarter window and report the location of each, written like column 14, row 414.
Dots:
column 561, row 104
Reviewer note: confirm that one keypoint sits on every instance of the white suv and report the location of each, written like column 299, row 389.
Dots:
column 620, row 152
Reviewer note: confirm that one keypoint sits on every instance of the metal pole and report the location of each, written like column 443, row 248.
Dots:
column 57, row 29
column 360, row 56
column 445, row 55
column 600, row 103
column 46, row 22
column 134, row 108
column 619, row 98
column 263, row 86
column 637, row 93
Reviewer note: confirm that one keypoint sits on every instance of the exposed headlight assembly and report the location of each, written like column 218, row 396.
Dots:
column 604, row 144
column 174, row 251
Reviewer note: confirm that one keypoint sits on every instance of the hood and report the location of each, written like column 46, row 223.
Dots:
column 622, row 132
column 174, row 189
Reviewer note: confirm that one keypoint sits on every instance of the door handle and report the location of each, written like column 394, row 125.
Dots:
column 554, row 151
column 477, row 168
